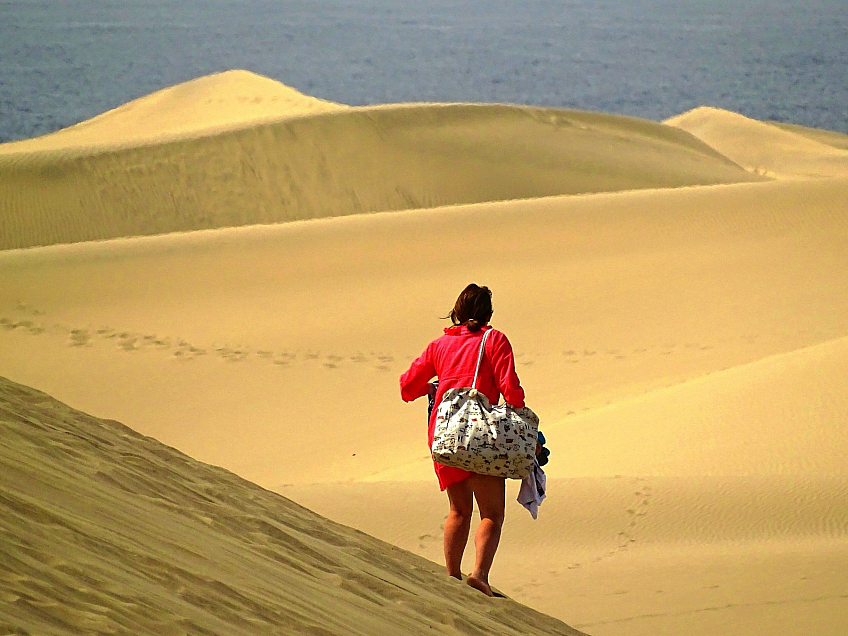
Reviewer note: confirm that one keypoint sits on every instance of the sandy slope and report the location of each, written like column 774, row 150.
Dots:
column 106, row 531
column 684, row 347
column 204, row 106
column 765, row 148
column 174, row 161
column 624, row 309
column 828, row 137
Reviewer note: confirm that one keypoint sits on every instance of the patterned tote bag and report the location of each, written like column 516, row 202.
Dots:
column 473, row 435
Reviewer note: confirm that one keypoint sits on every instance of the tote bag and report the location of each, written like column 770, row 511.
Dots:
column 473, row 435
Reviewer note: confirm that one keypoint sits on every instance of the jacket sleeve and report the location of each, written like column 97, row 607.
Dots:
column 413, row 383
column 503, row 366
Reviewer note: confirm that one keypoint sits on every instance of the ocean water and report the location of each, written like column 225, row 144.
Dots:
column 65, row 61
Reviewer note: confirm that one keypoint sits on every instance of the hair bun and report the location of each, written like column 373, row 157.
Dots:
column 473, row 308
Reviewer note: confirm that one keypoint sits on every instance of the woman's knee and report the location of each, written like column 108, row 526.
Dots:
column 461, row 498
column 495, row 517
column 461, row 515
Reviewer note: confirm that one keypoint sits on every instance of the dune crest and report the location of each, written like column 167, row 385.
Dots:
column 762, row 418
column 180, row 160
column 764, row 148
column 828, row 137
column 212, row 103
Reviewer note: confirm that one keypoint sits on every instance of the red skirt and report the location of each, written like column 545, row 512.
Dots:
column 448, row 475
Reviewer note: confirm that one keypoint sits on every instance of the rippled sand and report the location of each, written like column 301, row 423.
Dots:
column 675, row 294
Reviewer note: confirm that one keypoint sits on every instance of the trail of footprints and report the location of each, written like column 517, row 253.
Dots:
column 183, row 350
column 31, row 320
column 627, row 535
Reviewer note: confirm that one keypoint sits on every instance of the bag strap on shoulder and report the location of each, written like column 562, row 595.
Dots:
column 480, row 357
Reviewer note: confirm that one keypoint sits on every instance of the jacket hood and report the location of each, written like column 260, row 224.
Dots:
column 462, row 330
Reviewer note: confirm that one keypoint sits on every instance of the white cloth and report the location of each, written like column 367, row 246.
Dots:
column 532, row 491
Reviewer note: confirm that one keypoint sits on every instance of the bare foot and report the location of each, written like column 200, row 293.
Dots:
column 479, row 584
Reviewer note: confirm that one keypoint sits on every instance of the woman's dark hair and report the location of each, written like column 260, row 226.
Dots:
column 473, row 308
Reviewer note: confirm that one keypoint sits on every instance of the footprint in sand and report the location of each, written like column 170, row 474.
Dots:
column 25, row 325
column 625, row 537
column 231, row 355
column 283, row 359
column 333, row 362
column 187, row 351
column 79, row 338
column 128, row 341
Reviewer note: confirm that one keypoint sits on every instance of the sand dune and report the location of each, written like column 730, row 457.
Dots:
column 831, row 138
column 204, row 106
column 107, row 531
column 680, row 327
column 291, row 308
column 174, row 161
column 767, row 149
column 763, row 418
column 642, row 320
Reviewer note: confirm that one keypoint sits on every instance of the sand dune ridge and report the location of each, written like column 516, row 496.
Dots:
column 765, row 148
column 118, row 176
column 209, row 104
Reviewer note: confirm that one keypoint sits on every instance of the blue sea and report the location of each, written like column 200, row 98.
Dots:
column 65, row 61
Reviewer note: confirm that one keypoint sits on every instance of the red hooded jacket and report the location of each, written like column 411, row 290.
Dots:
column 453, row 358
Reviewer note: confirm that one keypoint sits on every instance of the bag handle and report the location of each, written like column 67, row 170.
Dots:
column 480, row 358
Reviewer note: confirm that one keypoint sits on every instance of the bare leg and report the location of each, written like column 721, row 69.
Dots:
column 457, row 525
column 490, row 493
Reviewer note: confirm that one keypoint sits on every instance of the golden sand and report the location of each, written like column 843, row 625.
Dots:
column 106, row 531
column 675, row 294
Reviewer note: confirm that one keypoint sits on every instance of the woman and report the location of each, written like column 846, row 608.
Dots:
column 453, row 358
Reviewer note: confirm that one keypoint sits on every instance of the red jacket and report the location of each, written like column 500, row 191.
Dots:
column 453, row 358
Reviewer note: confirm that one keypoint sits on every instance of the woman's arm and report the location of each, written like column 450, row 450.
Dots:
column 503, row 366
column 415, row 383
